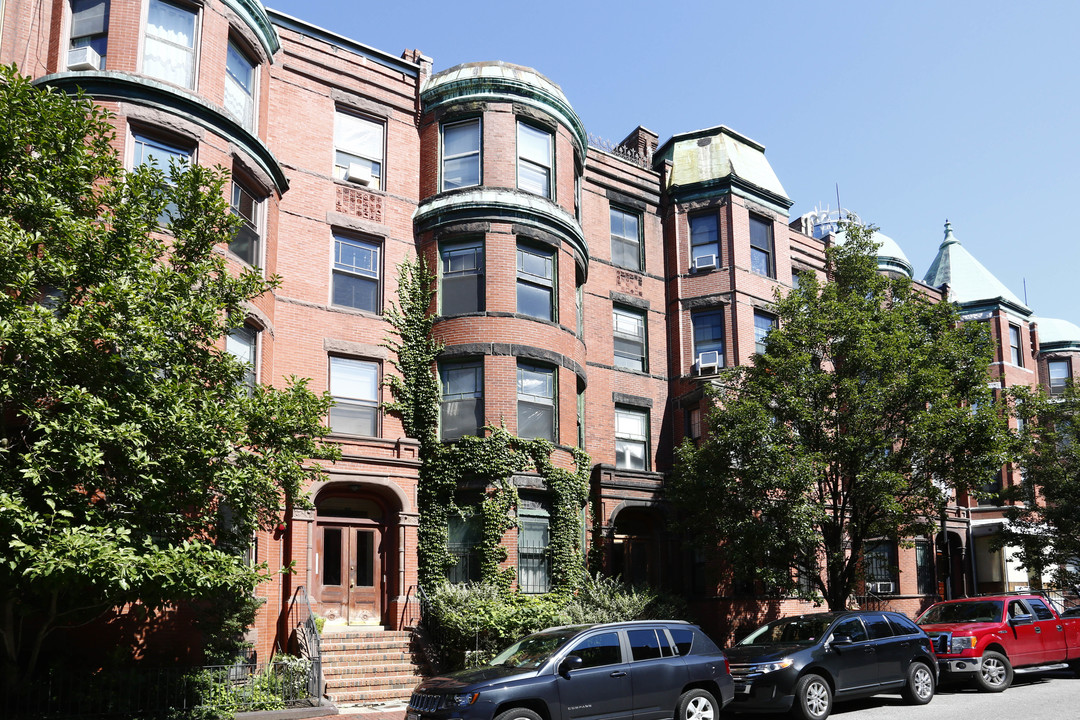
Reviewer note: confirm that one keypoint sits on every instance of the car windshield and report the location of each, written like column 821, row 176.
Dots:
column 531, row 652
column 790, row 631
column 963, row 612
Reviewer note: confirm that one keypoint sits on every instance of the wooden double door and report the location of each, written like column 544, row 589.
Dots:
column 349, row 571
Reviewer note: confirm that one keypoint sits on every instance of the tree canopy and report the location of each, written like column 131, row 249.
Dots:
column 870, row 401
column 1044, row 523
column 135, row 463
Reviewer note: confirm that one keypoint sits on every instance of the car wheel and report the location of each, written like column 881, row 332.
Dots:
column 995, row 674
column 813, row 698
column 518, row 714
column 697, row 705
column 920, row 684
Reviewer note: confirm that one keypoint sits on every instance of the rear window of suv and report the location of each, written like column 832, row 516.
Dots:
column 688, row 639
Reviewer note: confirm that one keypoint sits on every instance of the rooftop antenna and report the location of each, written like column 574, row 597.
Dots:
column 839, row 207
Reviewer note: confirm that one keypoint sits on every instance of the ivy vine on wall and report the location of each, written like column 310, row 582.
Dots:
column 491, row 461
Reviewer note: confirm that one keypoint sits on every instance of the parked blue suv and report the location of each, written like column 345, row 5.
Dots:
column 644, row 670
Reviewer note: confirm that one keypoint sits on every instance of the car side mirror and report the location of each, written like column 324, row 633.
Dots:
column 1021, row 619
column 570, row 662
column 840, row 641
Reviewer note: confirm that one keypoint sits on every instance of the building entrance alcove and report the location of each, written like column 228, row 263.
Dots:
column 353, row 550
column 638, row 546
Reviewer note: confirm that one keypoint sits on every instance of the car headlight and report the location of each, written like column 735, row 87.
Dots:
column 461, row 700
column 962, row 643
column 773, row 667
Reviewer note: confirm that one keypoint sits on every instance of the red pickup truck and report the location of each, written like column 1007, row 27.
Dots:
column 984, row 638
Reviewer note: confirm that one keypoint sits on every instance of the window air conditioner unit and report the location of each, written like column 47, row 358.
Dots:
column 83, row 58
column 704, row 262
column 881, row 588
column 359, row 174
column 707, row 361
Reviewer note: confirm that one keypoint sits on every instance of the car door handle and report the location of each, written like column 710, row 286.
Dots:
column 618, row 673
column 1038, row 629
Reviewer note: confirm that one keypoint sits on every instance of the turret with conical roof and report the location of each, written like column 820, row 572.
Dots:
column 971, row 285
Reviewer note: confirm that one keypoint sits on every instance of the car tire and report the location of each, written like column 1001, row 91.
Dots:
column 813, row 698
column 697, row 704
column 518, row 714
column 995, row 673
column 919, row 689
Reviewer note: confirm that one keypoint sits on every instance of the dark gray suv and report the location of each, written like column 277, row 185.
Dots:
column 645, row 670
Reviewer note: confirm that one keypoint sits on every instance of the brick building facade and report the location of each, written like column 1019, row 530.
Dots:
column 585, row 293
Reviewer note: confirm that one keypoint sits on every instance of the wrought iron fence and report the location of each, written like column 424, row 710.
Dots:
column 306, row 639
column 165, row 692
column 626, row 153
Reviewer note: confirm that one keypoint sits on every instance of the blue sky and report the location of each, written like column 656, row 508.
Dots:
column 919, row 111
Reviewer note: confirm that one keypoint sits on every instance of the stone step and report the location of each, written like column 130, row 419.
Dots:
column 357, row 632
column 344, row 697
column 369, row 657
column 354, row 670
column 367, row 648
column 374, row 684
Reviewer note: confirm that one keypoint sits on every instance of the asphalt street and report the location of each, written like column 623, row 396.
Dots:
column 1045, row 695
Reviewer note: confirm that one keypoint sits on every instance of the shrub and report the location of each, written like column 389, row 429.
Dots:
column 470, row 623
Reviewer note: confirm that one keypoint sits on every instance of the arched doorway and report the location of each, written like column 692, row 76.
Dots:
column 638, row 547
column 353, row 550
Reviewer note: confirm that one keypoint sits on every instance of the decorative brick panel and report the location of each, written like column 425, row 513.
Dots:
column 359, row 203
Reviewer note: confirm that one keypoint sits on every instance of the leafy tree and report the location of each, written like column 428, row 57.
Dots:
column 1044, row 525
column 135, row 465
column 868, row 403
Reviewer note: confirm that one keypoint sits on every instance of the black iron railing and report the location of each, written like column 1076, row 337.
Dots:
column 176, row 692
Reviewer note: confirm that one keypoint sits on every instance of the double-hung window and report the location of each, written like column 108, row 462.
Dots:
column 240, row 86
column 464, row 537
column 535, row 282
column 1060, row 374
column 169, row 50
column 625, row 239
column 763, row 325
column 761, row 247
column 704, row 242
column 358, row 149
column 536, row 401
column 356, row 274
column 631, row 438
column 242, row 343
column 247, row 243
column 462, row 278
column 461, row 154
column 354, row 385
column 629, row 326
column 90, row 29
column 879, row 565
column 708, row 340
column 1015, row 356
column 462, row 407
column 151, row 151
column 534, row 565
column 534, row 159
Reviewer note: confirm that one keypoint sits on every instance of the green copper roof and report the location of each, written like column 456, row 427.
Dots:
column 969, row 282
column 254, row 14
column 719, row 156
column 1057, row 334
column 890, row 257
column 502, row 82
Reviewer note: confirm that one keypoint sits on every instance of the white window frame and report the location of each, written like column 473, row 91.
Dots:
column 546, row 400
column 759, row 337
column 345, row 402
column 247, row 116
column 351, row 152
column 536, row 164
column 627, row 437
column 149, row 39
column 372, row 273
column 255, row 223
column 620, row 236
column 529, row 279
column 478, row 152
column 235, row 341
column 447, row 398
column 623, row 320
column 97, row 41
